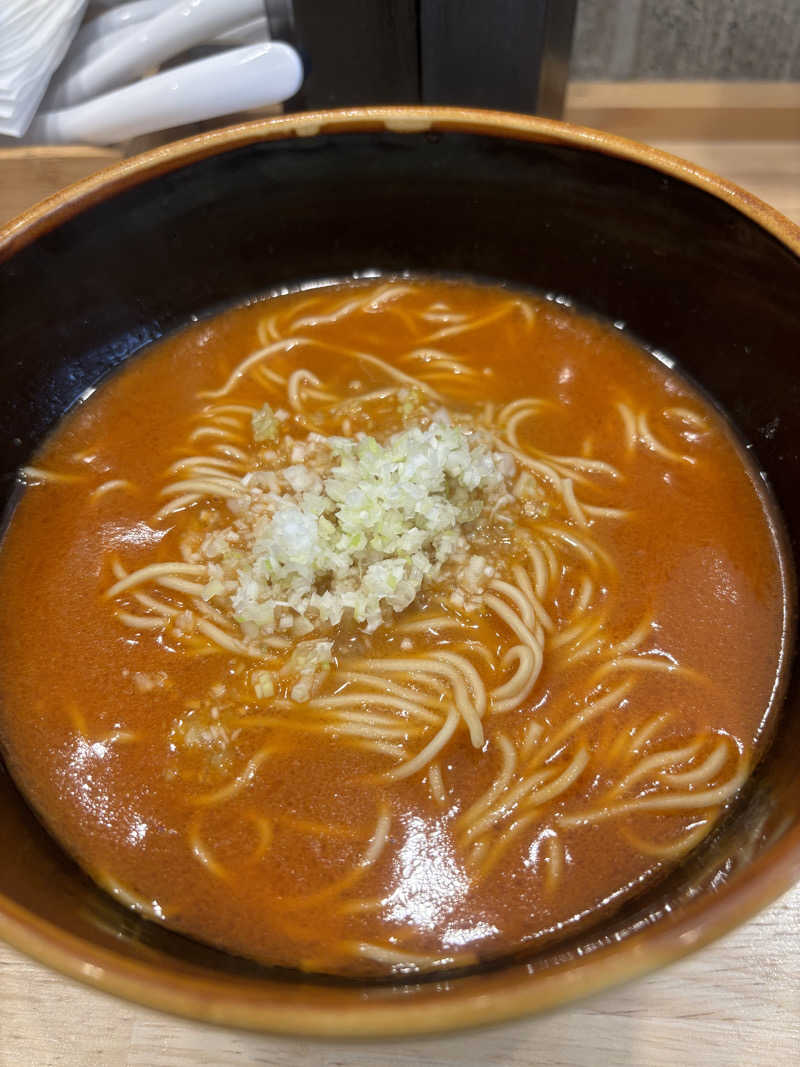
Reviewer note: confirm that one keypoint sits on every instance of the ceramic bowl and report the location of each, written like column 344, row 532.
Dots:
column 693, row 266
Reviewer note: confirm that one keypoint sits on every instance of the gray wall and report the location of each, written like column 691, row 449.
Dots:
column 687, row 39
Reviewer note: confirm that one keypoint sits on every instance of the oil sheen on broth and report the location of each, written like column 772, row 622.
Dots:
column 387, row 626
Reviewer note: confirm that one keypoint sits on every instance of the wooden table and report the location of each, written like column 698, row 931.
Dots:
column 736, row 1002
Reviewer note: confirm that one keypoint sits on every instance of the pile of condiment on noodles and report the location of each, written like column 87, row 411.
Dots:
column 332, row 528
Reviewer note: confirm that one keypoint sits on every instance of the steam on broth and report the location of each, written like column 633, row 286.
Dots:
column 387, row 626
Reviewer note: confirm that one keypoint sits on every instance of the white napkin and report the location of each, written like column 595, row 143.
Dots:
column 34, row 37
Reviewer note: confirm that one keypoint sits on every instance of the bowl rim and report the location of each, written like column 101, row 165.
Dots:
column 305, row 1009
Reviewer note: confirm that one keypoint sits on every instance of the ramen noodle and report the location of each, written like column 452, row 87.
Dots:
column 387, row 626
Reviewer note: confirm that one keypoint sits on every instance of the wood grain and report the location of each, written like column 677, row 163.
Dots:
column 712, row 111
column 736, row 1002
column 30, row 174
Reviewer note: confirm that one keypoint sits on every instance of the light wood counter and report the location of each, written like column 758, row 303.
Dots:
column 736, row 1002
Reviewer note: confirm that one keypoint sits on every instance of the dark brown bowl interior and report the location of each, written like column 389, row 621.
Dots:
column 625, row 233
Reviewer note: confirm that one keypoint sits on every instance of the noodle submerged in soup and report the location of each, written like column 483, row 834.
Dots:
column 387, row 626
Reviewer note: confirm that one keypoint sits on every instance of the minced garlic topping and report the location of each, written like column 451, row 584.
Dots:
column 353, row 526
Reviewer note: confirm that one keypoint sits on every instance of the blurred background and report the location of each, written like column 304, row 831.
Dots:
column 85, row 82
column 733, row 40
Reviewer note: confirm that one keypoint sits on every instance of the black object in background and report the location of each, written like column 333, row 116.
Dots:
column 508, row 54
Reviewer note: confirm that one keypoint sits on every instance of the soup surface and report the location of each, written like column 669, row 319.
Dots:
column 387, row 626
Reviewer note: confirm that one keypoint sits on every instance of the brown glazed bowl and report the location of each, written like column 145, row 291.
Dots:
column 693, row 266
